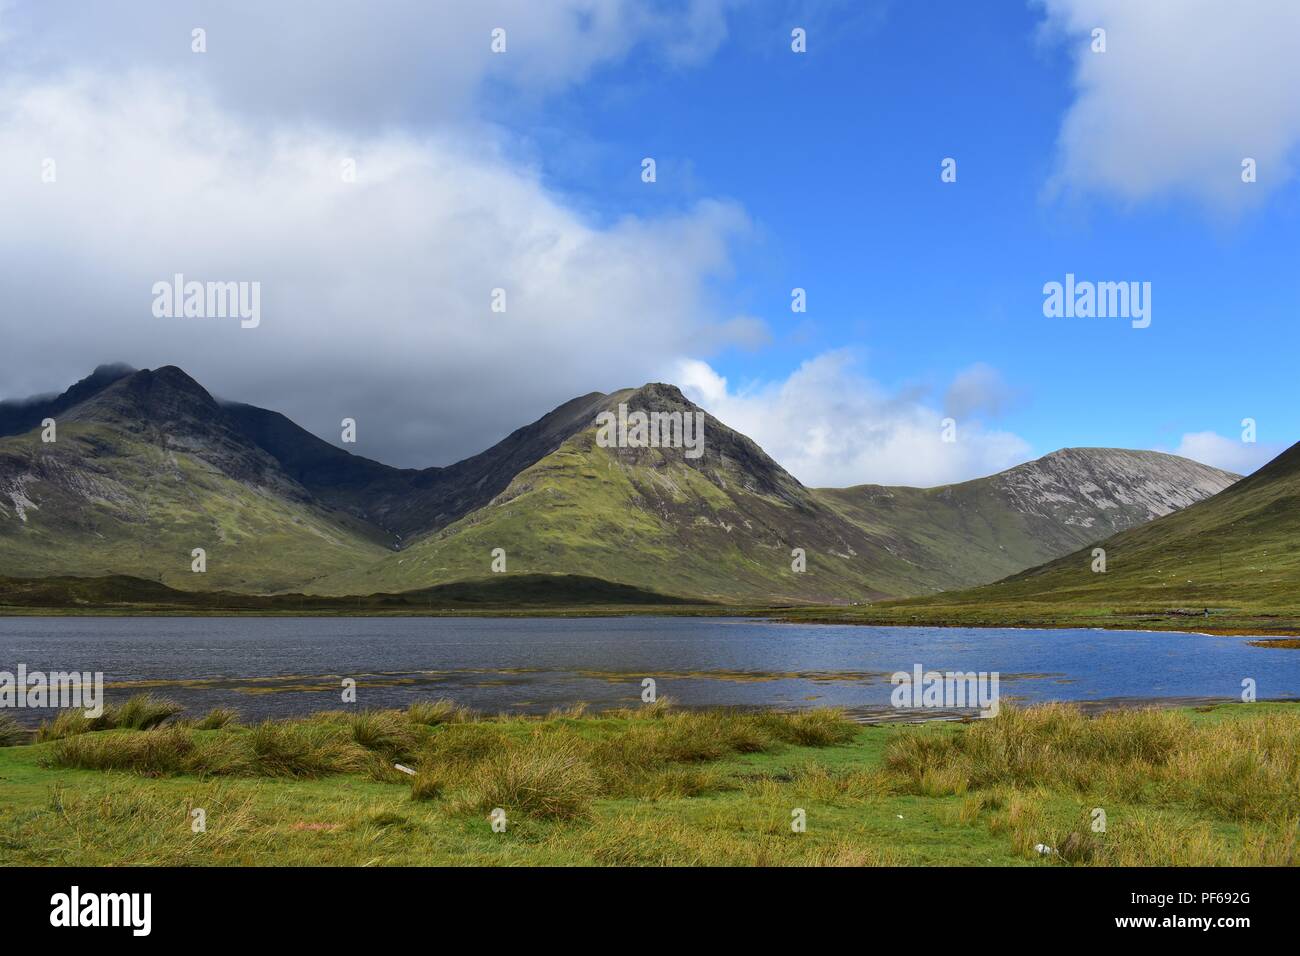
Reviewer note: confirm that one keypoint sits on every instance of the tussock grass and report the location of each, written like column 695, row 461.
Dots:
column 303, row 749
column 555, row 768
column 270, row 749
column 686, row 737
column 217, row 718
column 388, row 733
column 144, row 711
column 811, row 728
column 1246, row 769
column 1051, row 745
column 550, row 769
column 542, row 780
column 812, row 781
column 67, row 723
column 458, row 746
column 431, row 713
column 573, row 712
column 11, row 733
column 158, row 752
column 426, row 785
column 673, row 787
column 140, row 712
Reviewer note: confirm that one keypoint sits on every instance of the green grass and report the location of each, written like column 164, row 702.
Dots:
column 140, row 712
column 1214, row 786
column 1228, row 564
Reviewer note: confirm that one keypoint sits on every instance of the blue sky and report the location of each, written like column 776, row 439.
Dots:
column 775, row 170
column 835, row 157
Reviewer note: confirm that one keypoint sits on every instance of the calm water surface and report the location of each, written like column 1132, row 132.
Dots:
column 269, row 667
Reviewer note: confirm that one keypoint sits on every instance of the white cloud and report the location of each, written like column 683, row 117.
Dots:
column 831, row 426
column 380, row 288
column 365, row 61
column 1185, row 90
column 1230, row 454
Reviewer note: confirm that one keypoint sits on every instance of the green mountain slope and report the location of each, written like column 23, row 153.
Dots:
column 149, row 466
column 989, row 528
column 723, row 526
column 1236, row 552
column 408, row 502
column 720, row 526
column 144, row 471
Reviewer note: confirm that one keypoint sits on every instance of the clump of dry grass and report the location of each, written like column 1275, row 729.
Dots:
column 461, row 745
column 548, row 780
column 687, row 737
column 159, row 752
column 431, row 713
column 655, row 755
column 140, row 712
column 67, row 723
column 811, row 728
column 426, row 785
column 1050, row 745
column 388, row 733
column 217, row 718
column 572, row 712
column 303, row 749
column 270, row 749
column 1246, row 769
column 11, row 732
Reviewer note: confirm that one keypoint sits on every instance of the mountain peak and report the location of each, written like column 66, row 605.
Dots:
column 109, row 372
column 656, row 392
column 1109, row 489
column 165, row 395
column 25, row 414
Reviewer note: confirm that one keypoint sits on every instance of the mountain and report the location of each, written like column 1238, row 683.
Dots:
column 148, row 465
column 720, row 526
column 992, row 527
column 723, row 526
column 17, row 417
column 406, row 502
column 146, row 468
column 1235, row 553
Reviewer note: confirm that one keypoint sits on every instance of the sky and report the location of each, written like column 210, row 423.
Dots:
column 128, row 156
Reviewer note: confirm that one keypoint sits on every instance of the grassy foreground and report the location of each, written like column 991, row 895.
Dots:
column 655, row 786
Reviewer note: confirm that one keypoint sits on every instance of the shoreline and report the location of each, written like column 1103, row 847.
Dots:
column 1287, row 630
